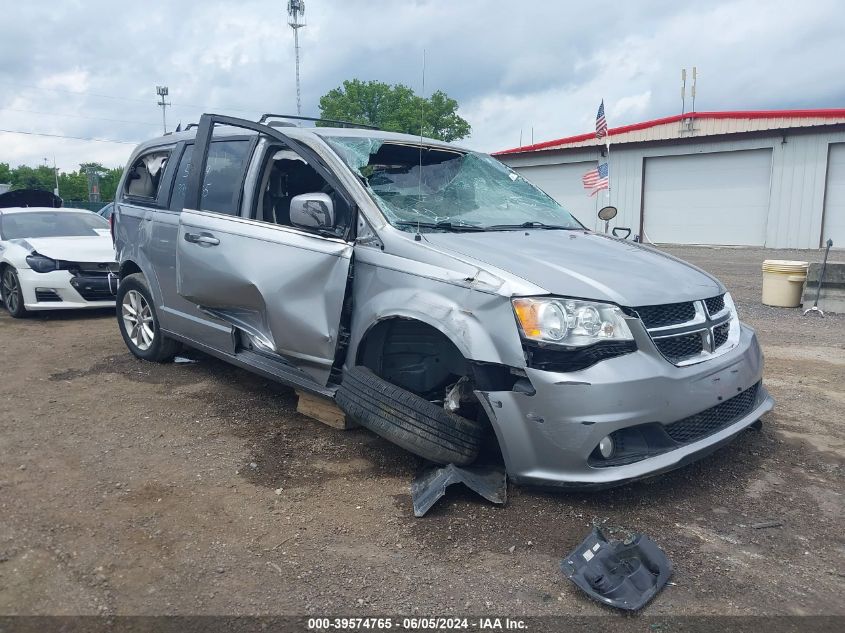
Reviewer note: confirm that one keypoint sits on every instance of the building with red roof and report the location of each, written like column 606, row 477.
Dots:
column 771, row 178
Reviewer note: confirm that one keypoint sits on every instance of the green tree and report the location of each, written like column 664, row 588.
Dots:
column 73, row 185
column 108, row 183
column 395, row 108
column 41, row 177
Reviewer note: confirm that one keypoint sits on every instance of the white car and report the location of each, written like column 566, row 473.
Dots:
column 55, row 259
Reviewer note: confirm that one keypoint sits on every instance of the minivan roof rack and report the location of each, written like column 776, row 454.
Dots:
column 296, row 117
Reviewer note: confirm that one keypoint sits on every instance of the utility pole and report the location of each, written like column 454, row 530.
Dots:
column 296, row 21
column 162, row 92
column 55, row 173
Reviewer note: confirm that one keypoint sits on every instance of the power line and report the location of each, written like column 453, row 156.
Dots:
column 78, row 116
column 74, row 92
column 204, row 108
column 76, row 138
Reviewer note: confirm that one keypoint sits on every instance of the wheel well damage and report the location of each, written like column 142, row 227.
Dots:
column 129, row 268
column 420, row 358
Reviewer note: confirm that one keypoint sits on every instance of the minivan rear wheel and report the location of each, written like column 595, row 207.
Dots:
column 138, row 322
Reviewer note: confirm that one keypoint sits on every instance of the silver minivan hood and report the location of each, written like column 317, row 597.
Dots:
column 585, row 265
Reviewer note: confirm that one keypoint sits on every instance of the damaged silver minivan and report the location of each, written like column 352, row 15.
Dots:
column 442, row 300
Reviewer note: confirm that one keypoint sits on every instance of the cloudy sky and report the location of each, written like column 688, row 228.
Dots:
column 89, row 69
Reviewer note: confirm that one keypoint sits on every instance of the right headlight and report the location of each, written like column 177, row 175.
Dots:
column 41, row 264
column 570, row 322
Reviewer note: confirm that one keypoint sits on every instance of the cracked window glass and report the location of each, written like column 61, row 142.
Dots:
column 440, row 188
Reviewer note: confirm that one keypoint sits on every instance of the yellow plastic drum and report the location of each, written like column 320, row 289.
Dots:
column 783, row 281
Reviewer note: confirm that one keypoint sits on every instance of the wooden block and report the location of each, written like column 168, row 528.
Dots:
column 324, row 410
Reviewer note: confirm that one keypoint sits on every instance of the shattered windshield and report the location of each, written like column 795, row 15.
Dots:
column 438, row 188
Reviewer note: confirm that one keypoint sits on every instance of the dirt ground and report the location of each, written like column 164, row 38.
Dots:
column 133, row 488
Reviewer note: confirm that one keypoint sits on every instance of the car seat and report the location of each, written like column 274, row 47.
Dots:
column 140, row 183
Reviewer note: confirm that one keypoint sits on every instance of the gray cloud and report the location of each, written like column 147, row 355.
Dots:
column 539, row 64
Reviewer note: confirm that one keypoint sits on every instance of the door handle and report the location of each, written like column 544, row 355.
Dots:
column 201, row 239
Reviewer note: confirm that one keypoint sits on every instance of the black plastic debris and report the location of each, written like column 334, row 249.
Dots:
column 489, row 481
column 623, row 574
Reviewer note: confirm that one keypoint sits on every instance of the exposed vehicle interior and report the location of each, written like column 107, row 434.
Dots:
column 286, row 175
column 145, row 175
column 447, row 189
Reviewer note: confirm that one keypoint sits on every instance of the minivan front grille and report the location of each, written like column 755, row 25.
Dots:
column 713, row 419
column 690, row 332
column 678, row 348
column 715, row 304
column 720, row 334
column 665, row 315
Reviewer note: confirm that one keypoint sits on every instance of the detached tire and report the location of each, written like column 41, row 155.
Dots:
column 408, row 420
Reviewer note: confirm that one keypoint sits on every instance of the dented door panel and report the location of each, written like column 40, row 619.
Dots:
column 283, row 287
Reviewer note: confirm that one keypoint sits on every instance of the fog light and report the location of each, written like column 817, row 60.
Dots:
column 606, row 447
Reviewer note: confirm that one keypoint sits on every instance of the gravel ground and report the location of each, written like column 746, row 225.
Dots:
column 133, row 488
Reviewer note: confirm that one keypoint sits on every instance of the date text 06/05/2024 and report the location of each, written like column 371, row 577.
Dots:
column 416, row 624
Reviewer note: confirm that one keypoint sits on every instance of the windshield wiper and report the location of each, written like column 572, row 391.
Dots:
column 531, row 225
column 443, row 226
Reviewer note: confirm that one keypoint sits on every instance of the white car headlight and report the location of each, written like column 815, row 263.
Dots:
column 570, row 322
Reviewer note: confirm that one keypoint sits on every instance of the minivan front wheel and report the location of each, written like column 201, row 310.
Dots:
column 407, row 420
column 138, row 322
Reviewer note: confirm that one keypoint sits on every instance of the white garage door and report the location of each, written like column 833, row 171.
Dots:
column 563, row 183
column 834, row 203
column 719, row 198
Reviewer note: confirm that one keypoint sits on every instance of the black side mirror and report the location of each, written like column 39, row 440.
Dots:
column 607, row 213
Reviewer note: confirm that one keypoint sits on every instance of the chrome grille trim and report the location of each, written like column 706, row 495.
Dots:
column 715, row 330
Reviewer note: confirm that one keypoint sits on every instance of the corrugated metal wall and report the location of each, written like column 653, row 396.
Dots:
column 799, row 168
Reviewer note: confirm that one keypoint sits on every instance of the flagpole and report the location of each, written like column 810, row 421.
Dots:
column 607, row 145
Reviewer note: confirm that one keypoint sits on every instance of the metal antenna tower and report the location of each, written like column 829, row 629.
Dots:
column 93, row 183
column 162, row 92
column 296, row 20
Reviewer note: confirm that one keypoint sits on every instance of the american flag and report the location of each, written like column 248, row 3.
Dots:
column 596, row 179
column 601, row 122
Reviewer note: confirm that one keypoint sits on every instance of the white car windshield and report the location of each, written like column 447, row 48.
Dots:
column 35, row 224
column 440, row 188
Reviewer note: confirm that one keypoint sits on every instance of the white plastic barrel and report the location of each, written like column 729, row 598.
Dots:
column 783, row 281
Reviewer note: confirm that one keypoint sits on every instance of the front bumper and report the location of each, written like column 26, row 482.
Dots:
column 60, row 290
column 547, row 438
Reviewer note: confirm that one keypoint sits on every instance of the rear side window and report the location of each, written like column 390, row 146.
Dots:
column 180, row 184
column 224, row 175
column 144, row 177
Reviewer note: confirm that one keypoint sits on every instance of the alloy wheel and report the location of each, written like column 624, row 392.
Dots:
column 11, row 290
column 138, row 320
